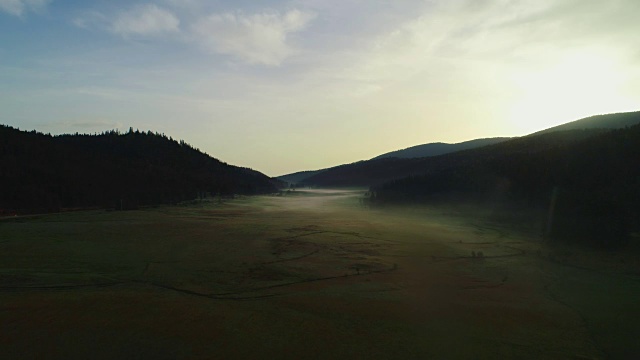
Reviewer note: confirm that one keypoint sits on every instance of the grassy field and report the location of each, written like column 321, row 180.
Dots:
column 313, row 274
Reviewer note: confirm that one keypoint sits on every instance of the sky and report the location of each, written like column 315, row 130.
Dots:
column 284, row 86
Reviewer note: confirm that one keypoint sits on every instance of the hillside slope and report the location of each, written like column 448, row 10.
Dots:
column 44, row 173
column 298, row 176
column 424, row 150
column 376, row 171
column 593, row 183
column 435, row 149
column 608, row 121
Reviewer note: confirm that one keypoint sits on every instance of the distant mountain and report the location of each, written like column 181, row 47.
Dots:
column 44, row 173
column 425, row 150
column 608, row 121
column 435, row 149
column 375, row 172
column 592, row 182
column 298, row 176
column 379, row 170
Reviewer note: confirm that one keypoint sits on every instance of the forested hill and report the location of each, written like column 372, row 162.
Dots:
column 379, row 170
column 418, row 151
column 594, row 183
column 435, row 149
column 607, row 121
column 299, row 176
column 44, row 173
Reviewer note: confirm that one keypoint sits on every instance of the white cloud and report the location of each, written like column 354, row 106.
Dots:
column 256, row 39
column 89, row 19
column 473, row 36
column 184, row 3
column 146, row 19
column 20, row 7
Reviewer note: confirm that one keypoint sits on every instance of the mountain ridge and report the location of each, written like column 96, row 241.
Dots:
column 380, row 170
column 601, row 121
column 45, row 173
column 590, row 183
column 440, row 148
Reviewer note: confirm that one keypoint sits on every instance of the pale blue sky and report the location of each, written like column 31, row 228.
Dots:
column 283, row 86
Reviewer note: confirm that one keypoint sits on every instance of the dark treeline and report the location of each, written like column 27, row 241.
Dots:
column 592, row 182
column 44, row 173
column 435, row 149
column 378, row 171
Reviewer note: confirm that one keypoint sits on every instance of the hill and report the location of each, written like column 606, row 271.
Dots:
column 608, row 121
column 44, row 173
column 435, row 149
column 424, row 150
column 298, row 176
column 376, row 171
column 592, row 182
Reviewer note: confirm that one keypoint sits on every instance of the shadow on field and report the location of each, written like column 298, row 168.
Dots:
column 311, row 274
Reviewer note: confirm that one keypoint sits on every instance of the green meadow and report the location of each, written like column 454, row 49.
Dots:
column 311, row 274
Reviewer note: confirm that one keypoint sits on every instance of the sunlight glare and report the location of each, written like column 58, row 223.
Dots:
column 577, row 85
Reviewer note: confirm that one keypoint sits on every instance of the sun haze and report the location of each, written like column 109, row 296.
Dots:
column 283, row 86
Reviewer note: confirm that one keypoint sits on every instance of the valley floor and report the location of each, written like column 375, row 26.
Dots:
column 312, row 274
